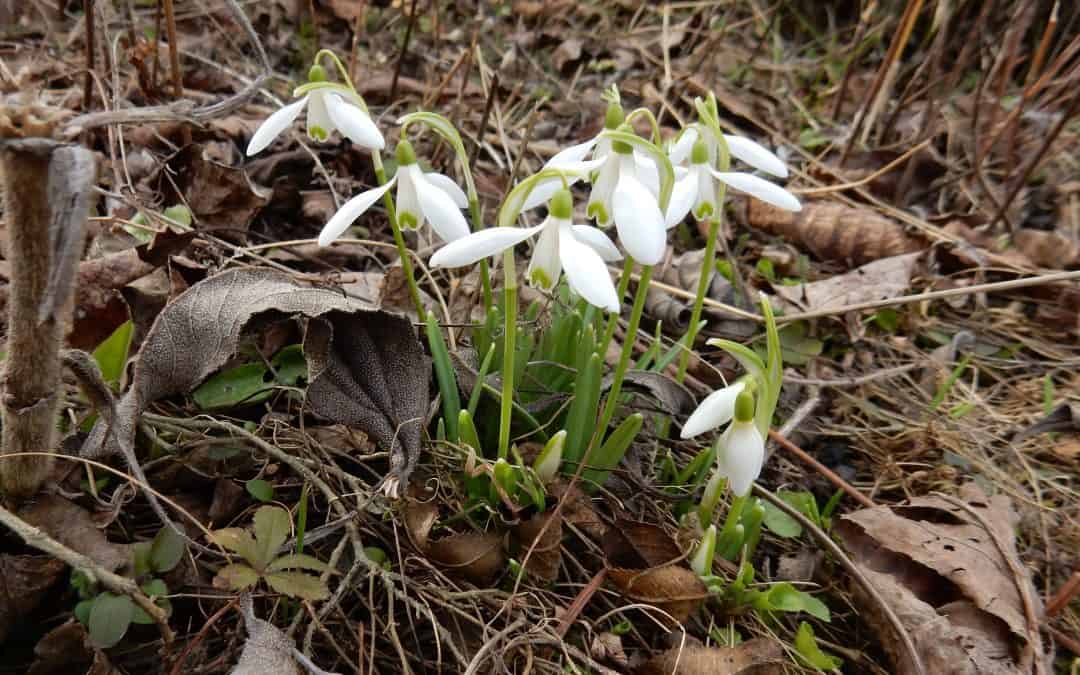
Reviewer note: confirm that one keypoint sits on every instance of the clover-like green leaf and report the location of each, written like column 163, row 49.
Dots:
column 236, row 577
column 272, row 527
column 238, row 541
column 298, row 561
column 298, row 585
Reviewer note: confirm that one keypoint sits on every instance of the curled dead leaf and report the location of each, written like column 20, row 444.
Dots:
column 835, row 232
column 758, row 655
column 947, row 568
column 547, row 555
column 366, row 368
column 476, row 556
column 24, row 582
column 1047, row 249
column 674, row 589
column 878, row 280
column 74, row 527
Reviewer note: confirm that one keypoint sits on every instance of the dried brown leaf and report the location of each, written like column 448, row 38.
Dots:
column 476, row 556
column 759, row 655
column 547, row 555
column 639, row 545
column 942, row 571
column 63, row 650
column 879, row 280
column 366, row 367
column 675, row 589
column 835, row 232
column 1047, row 249
column 74, row 527
column 24, row 581
column 221, row 197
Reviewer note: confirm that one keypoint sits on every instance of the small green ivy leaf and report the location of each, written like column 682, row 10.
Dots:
column 298, row 585
column 807, row 647
column 109, row 619
column 260, row 489
column 166, row 550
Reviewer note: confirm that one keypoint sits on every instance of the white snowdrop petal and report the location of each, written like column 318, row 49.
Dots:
column 571, row 155
column 639, row 221
column 354, row 123
column 761, row 189
column 541, row 193
column 319, row 124
column 350, row 211
column 756, row 155
column 682, row 199
column 744, row 453
column 438, row 208
column 647, row 173
column 447, row 185
column 717, row 409
column 545, row 266
column 479, row 245
column 683, row 146
column 272, row 126
column 604, row 187
column 586, row 272
column 597, row 241
column 407, row 200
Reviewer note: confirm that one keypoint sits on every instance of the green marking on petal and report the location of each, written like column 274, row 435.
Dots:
column 597, row 210
column 407, row 220
column 706, row 210
column 318, row 133
column 539, row 277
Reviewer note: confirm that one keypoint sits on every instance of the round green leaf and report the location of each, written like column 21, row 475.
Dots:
column 166, row 550
column 260, row 489
column 109, row 619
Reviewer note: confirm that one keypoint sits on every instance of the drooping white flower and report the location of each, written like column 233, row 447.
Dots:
column 715, row 411
column 579, row 250
column 621, row 194
column 696, row 191
column 330, row 107
column 421, row 197
column 740, row 455
column 741, row 448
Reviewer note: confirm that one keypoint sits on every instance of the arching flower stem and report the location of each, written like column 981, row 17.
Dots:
column 399, row 238
column 612, row 401
column 708, row 263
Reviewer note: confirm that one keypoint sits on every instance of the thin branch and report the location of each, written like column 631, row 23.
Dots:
column 825, row 541
column 41, row 541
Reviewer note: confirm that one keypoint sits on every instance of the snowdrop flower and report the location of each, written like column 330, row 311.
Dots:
column 696, row 190
column 741, row 449
column 715, row 411
column 421, row 197
column 579, row 250
column 330, row 107
column 572, row 160
column 621, row 193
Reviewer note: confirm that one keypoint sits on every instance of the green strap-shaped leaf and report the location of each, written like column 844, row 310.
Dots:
column 444, row 374
column 581, row 420
column 746, row 357
column 607, row 456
